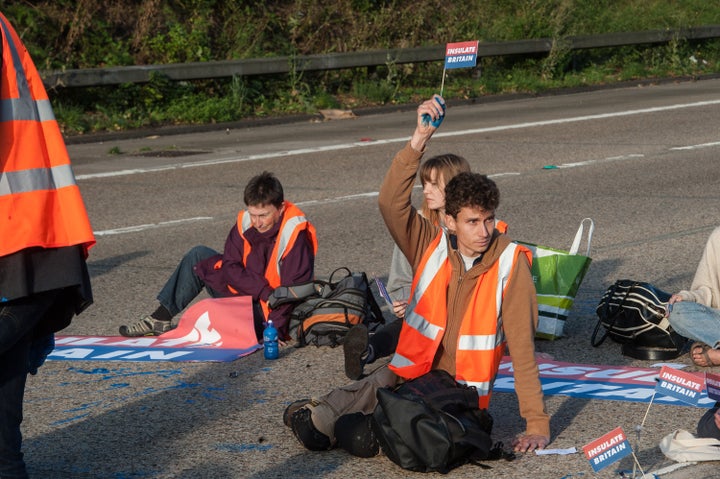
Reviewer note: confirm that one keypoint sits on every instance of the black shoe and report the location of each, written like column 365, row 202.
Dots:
column 306, row 433
column 354, row 348
column 354, row 434
column 292, row 408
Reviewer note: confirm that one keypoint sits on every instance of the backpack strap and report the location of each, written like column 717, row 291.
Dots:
column 292, row 294
column 605, row 311
column 341, row 268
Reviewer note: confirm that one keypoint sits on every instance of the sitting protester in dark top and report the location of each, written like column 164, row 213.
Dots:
column 272, row 244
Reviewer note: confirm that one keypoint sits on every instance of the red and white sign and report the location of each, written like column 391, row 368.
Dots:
column 682, row 385
column 607, row 449
column 220, row 329
column 461, row 54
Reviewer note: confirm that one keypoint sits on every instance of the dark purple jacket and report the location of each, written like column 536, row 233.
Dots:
column 249, row 279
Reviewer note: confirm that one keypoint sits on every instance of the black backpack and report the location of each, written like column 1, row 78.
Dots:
column 633, row 313
column 433, row 423
column 326, row 310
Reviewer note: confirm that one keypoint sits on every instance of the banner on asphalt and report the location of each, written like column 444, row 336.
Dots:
column 594, row 381
column 218, row 329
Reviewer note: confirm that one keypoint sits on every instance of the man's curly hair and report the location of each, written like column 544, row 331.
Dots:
column 471, row 190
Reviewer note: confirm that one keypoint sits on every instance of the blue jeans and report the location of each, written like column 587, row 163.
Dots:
column 697, row 322
column 184, row 285
column 18, row 319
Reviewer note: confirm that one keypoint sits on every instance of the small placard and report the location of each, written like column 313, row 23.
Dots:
column 461, row 54
column 607, row 449
column 712, row 383
column 680, row 385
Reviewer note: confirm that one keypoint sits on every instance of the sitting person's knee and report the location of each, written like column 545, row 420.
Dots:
column 707, row 426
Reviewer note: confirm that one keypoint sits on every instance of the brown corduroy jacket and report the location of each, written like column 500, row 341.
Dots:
column 413, row 233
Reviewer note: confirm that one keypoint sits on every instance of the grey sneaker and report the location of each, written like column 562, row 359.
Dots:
column 147, row 326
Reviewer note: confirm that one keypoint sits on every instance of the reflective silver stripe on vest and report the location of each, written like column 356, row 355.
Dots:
column 488, row 342
column 246, row 222
column 400, row 361
column 436, row 261
column 21, row 109
column 283, row 237
column 37, row 179
column 505, row 266
column 287, row 232
column 24, row 107
column 477, row 342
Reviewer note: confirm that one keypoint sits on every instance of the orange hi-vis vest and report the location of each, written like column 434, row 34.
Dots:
column 40, row 203
column 481, row 341
column 293, row 223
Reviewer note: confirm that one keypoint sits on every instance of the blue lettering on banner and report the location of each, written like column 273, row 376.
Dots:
column 601, row 390
column 126, row 352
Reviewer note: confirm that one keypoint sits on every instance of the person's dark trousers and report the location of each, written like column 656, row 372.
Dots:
column 385, row 339
column 184, row 285
column 18, row 319
column 706, row 426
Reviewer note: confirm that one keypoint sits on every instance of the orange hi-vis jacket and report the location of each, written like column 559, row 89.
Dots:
column 481, row 341
column 293, row 223
column 40, row 203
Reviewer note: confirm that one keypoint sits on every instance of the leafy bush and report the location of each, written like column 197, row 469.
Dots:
column 68, row 34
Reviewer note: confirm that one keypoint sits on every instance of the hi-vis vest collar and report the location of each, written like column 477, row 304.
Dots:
column 40, row 203
column 481, row 341
column 293, row 222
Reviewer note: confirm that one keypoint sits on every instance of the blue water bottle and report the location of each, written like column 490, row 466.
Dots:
column 427, row 119
column 270, row 341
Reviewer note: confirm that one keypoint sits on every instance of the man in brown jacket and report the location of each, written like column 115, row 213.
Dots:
column 449, row 334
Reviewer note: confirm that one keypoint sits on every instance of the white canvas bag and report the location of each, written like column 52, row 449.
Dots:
column 682, row 446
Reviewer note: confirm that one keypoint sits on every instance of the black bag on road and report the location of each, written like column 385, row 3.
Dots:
column 633, row 313
column 433, row 423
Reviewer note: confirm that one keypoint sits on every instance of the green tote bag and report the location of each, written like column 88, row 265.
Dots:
column 557, row 275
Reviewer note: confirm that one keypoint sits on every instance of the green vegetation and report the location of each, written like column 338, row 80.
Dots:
column 64, row 34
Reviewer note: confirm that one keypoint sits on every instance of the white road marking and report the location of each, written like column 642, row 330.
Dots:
column 697, row 147
column 603, row 160
column 359, row 144
column 303, row 151
column 133, row 229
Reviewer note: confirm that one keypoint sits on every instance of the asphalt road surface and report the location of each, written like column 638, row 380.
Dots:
column 642, row 162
